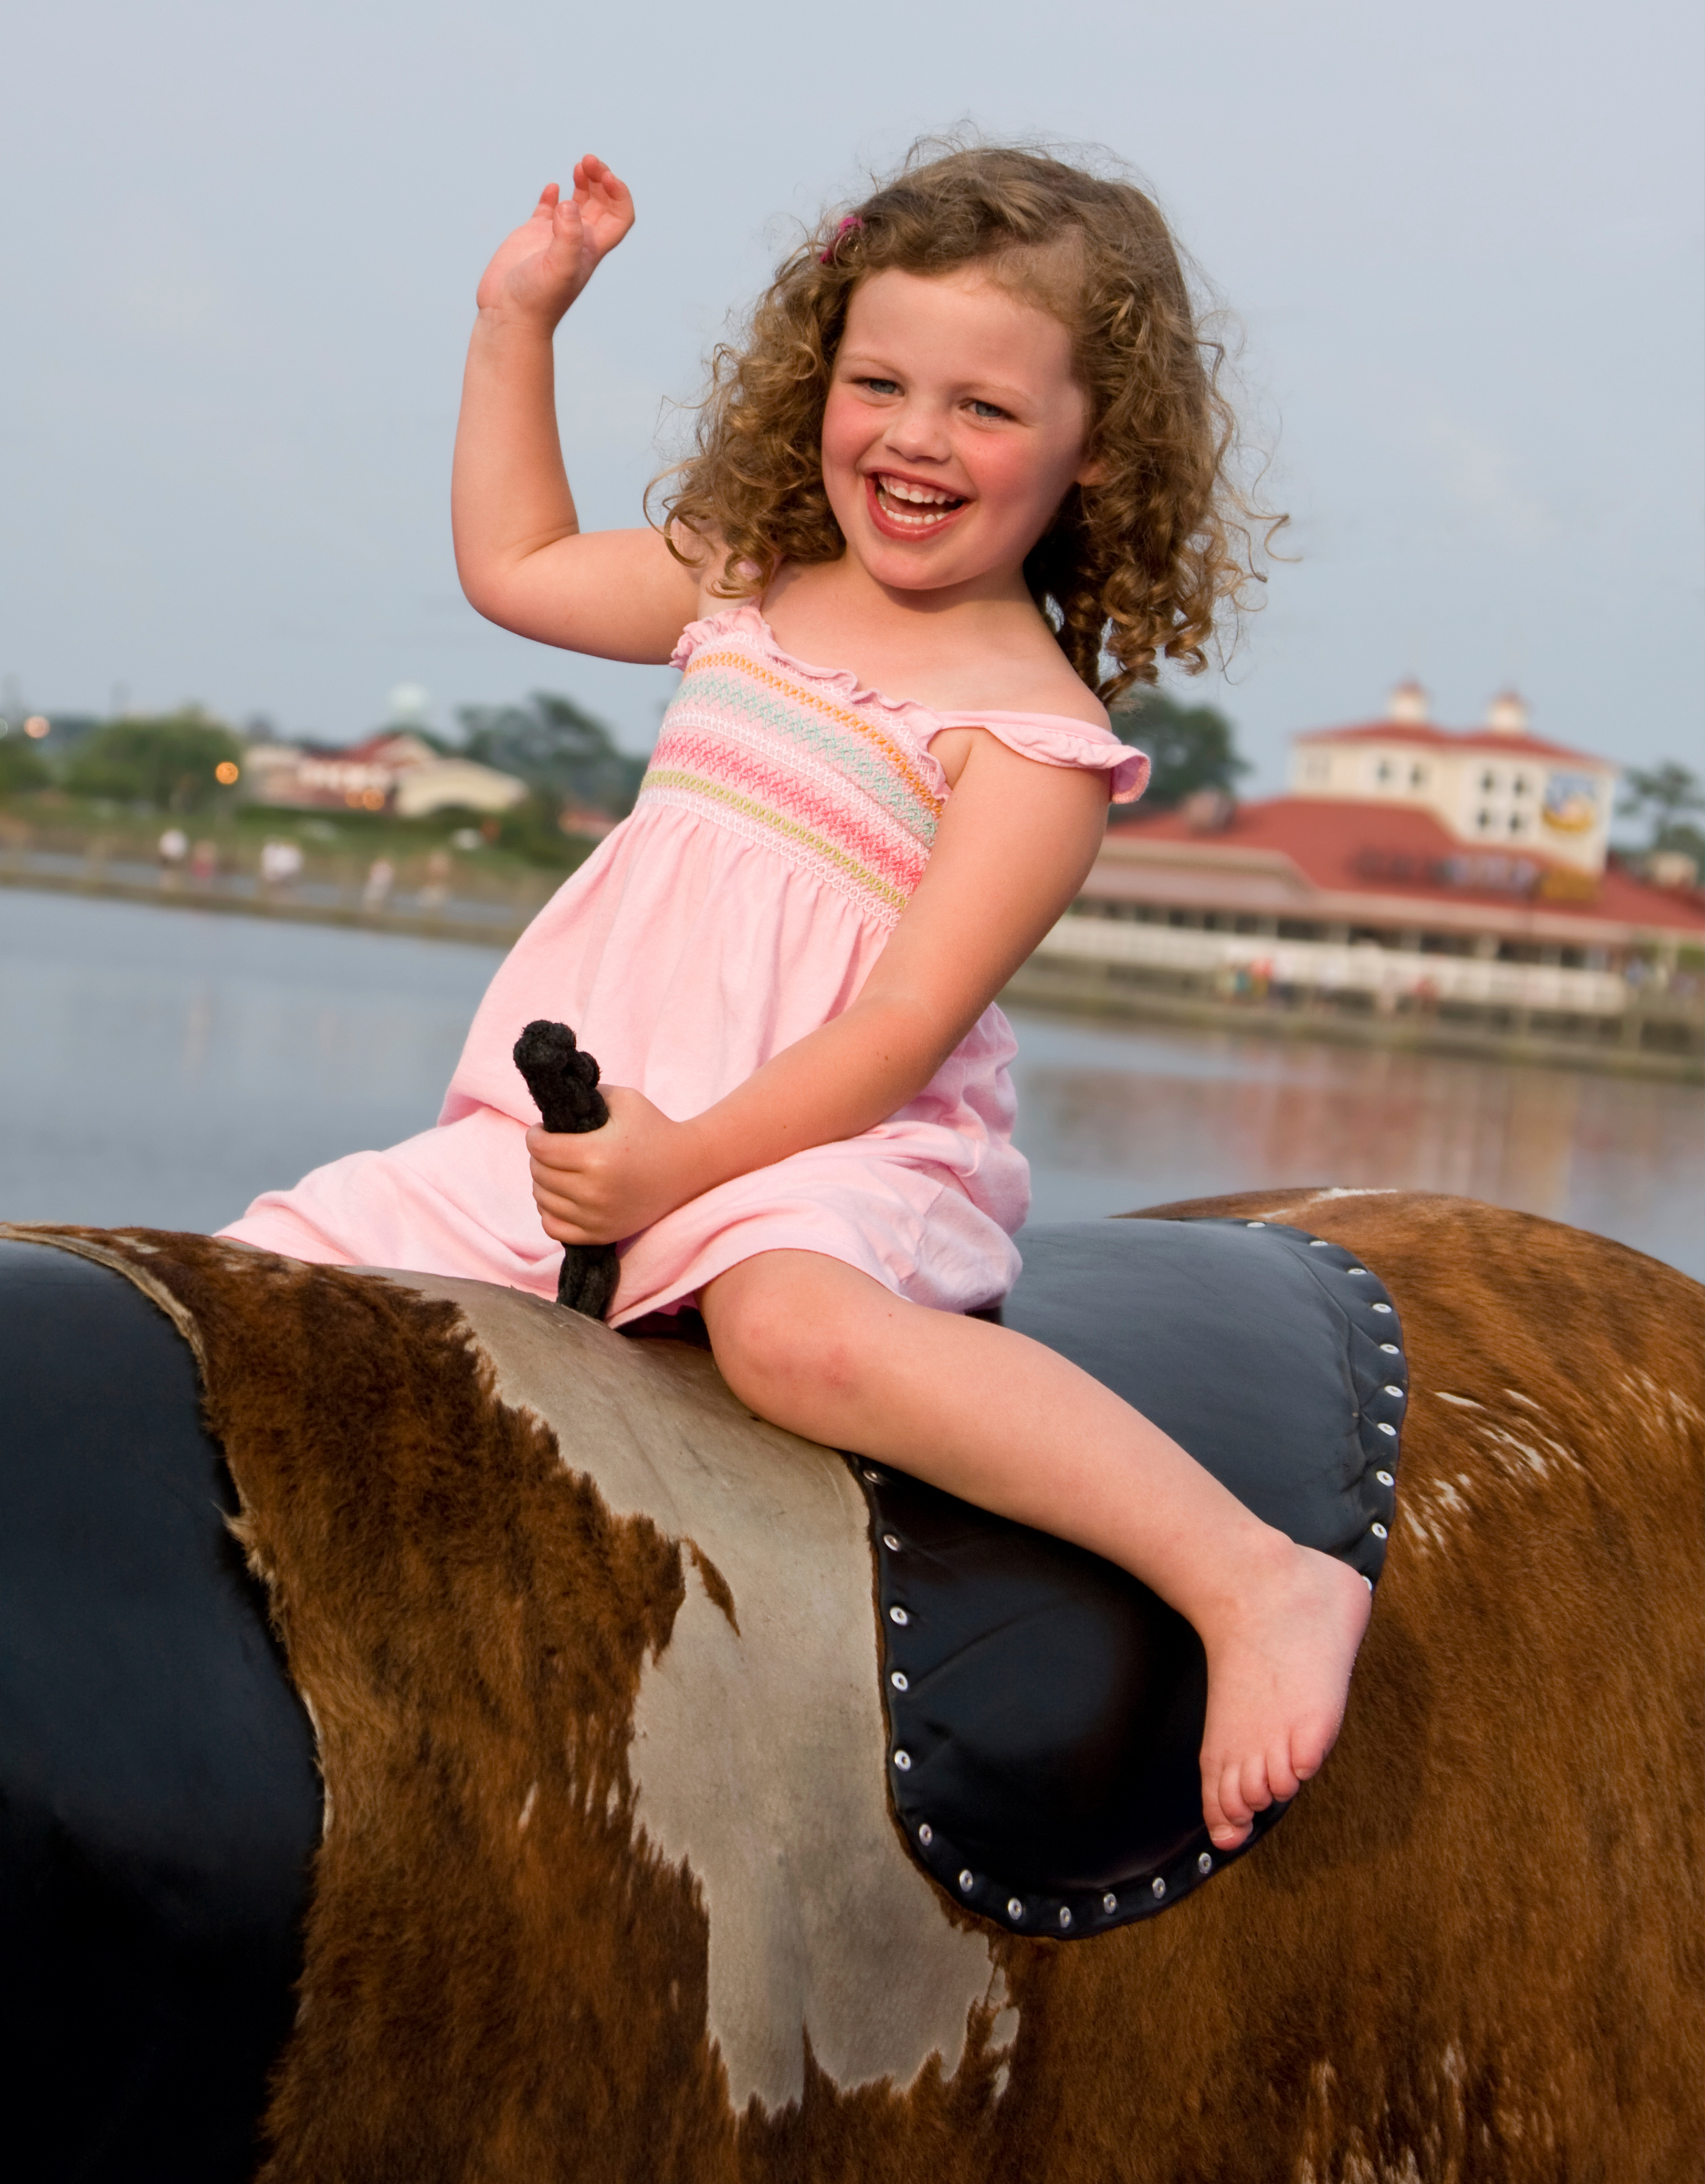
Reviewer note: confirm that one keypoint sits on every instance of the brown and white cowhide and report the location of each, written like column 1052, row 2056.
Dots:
column 610, row 1888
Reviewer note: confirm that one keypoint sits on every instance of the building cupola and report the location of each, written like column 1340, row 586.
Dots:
column 1507, row 714
column 1408, row 704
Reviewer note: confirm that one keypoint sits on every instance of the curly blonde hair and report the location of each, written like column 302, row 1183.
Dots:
column 1134, row 566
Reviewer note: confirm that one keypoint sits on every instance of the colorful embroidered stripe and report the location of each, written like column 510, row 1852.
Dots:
column 841, row 794
column 872, row 833
column 756, row 717
column 695, row 785
column 899, row 759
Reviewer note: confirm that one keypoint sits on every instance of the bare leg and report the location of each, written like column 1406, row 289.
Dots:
column 993, row 1417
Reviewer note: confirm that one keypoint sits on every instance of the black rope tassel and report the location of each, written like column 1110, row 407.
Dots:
column 564, row 1084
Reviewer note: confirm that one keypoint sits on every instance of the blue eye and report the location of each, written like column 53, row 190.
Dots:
column 880, row 385
column 987, row 410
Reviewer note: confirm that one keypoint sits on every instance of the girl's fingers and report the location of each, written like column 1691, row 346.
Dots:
column 557, row 1193
column 549, row 1165
column 596, row 187
column 566, row 1232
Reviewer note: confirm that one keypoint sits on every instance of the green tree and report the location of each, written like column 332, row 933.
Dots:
column 529, row 830
column 1664, row 796
column 561, row 751
column 21, row 764
column 1190, row 747
column 170, row 762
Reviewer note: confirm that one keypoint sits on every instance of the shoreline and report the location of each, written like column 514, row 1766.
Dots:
column 1048, row 987
column 1090, row 999
column 483, row 924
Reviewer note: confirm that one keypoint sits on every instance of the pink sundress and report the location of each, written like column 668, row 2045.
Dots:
column 785, row 818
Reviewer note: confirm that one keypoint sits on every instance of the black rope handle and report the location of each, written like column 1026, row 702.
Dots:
column 564, row 1084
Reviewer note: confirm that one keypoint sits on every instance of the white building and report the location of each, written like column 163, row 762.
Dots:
column 1411, row 870
column 395, row 772
column 1495, row 787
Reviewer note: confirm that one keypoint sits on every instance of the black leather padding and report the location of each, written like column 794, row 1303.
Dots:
column 159, row 1804
column 1044, row 1709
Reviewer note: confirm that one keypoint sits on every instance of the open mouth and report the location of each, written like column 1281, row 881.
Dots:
column 910, row 507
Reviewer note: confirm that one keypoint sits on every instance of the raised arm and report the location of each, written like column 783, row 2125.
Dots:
column 521, row 555
column 1014, row 844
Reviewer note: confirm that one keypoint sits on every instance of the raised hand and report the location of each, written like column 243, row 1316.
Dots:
column 541, row 268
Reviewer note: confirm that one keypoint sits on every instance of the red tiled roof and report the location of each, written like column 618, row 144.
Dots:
column 380, row 750
column 1428, row 738
column 1344, row 847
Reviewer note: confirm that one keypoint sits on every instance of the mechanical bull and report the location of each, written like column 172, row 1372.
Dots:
column 607, row 1879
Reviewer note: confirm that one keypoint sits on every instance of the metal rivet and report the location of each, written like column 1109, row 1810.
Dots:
column 1384, row 1479
column 1382, row 1428
column 1392, row 1389
column 1391, row 1349
column 899, row 1615
column 1254, row 1224
column 1159, row 1887
column 1356, row 1270
column 1015, row 1908
column 898, row 1678
column 1204, row 1864
column 968, row 1881
column 1318, row 1244
column 902, row 1760
column 875, row 1477
column 1065, row 1916
column 1379, row 1532
column 889, row 1542
column 926, row 1834
column 1382, row 1307
column 1110, row 1902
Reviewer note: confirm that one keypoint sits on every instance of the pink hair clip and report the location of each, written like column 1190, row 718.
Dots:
column 851, row 221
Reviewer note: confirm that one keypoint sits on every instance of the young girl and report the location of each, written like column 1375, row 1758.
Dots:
column 969, row 449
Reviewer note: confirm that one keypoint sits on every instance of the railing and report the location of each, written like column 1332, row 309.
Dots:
column 1362, row 990
column 1326, row 967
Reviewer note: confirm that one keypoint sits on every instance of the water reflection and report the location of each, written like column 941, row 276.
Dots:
column 162, row 1065
column 1112, row 1120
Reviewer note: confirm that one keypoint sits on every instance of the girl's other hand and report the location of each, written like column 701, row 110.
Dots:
column 543, row 266
column 604, row 1184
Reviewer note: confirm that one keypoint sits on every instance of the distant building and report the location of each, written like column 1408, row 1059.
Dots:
column 395, row 772
column 1495, row 788
column 1411, row 868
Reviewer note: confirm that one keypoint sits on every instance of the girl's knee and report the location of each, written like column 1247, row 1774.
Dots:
column 773, row 1347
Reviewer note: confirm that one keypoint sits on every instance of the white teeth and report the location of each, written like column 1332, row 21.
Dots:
column 900, row 489
column 933, row 507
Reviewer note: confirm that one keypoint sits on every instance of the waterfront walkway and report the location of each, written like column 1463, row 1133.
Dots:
column 1085, row 967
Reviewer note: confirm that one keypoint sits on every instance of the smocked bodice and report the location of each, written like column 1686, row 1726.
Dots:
column 835, row 778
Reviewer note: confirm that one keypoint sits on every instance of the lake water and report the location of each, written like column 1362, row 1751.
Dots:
column 160, row 1066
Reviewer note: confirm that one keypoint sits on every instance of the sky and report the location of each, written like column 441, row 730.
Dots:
column 1461, row 246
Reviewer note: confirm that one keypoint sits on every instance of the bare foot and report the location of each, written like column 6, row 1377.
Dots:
column 1279, row 1664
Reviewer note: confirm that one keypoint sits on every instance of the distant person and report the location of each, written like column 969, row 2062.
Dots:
column 171, row 849
column 382, row 875
column 204, row 863
column 435, row 891
column 970, row 449
column 280, row 864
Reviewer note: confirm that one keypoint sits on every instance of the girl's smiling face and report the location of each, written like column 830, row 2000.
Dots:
column 953, row 430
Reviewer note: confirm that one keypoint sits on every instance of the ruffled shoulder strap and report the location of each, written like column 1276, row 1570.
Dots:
column 1057, row 739
column 700, row 633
